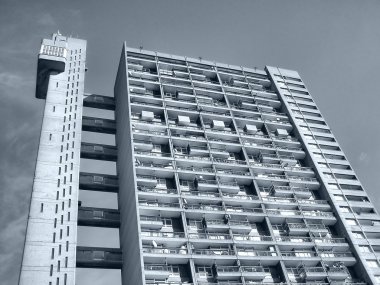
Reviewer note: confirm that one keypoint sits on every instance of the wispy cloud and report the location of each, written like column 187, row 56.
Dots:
column 13, row 80
column 364, row 157
column 46, row 19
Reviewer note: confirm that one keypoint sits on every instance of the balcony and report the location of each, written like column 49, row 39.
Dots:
column 300, row 181
column 98, row 182
column 162, row 234
column 255, row 273
column 299, row 241
column 232, row 172
column 160, row 271
column 156, row 204
column 165, row 251
column 211, row 237
column 229, row 161
column 327, row 243
column 300, row 255
column 98, row 125
column 98, row 151
column 200, row 194
column 295, row 229
column 99, row 102
column 266, row 178
column 219, row 154
column 202, row 184
column 337, row 273
column 98, row 257
column 154, row 191
column 147, row 181
column 214, row 253
column 151, row 222
column 241, row 197
column 227, row 272
column 204, row 207
column 229, row 187
column 198, row 150
column 97, row 217
column 318, row 214
column 289, row 191
column 312, row 273
column 259, row 254
column 246, row 238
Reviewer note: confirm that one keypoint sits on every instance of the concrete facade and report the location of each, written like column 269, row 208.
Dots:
column 50, row 244
column 225, row 175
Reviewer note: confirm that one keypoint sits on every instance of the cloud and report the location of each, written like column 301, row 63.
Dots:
column 11, row 250
column 13, row 80
column 46, row 19
column 364, row 157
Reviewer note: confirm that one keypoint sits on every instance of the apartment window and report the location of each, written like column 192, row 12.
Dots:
column 372, row 263
column 358, row 235
column 365, row 248
column 167, row 222
column 328, row 175
column 323, row 165
column 339, row 197
column 345, row 209
column 351, row 222
column 333, row 186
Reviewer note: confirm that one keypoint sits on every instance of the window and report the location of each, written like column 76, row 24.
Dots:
column 345, row 209
column 351, row 222
column 365, row 248
column 339, row 197
column 358, row 235
column 373, row 263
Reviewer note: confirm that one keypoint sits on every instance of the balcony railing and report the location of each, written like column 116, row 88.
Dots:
column 229, row 161
column 241, row 197
column 200, row 193
column 241, row 237
column 204, row 207
column 317, row 214
column 157, row 190
column 292, row 239
column 306, row 254
column 146, row 233
column 150, row 153
column 252, row 252
column 158, row 204
column 244, row 209
column 195, row 169
column 210, row 236
column 214, row 251
column 165, row 250
column 300, row 178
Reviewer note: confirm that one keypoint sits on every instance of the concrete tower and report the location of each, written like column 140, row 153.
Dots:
column 224, row 175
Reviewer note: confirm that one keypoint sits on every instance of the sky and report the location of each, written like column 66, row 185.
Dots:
column 334, row 45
